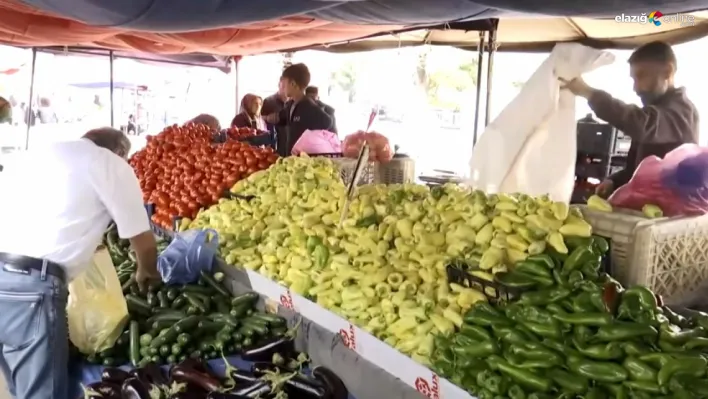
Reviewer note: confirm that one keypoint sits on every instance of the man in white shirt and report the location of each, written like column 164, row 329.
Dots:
column 55, row 205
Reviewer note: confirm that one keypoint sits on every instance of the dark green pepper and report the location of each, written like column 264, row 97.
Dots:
column 515, row 279
column 680, row 337
column 575, row 242
column 618, row 391
column 676, row 318
column 696, row 343
column 510, row 335
column 600, row 244
column 669, row 347
column 536, row 351
column 569, row 382
column 638, row 304
column 694, row 366
column 492, row 382
column 525, row 378
column 555, row 308
column 608, row 351
column 544, row 297
column 559, row 278
column 619, row 331
column 516, row 392
column 531, row 314
column 532, row 269
column 644, row 386
column 591, row 271
column 697, row 386
column 639, row 370
column 555, row 345
column 482, row 316
column 575, row 277
column 475, row 332
column 462, row 340
column 477, row 350
column 657, row 360
column 577, row 259
column 543, row 259
column 598, row 371
column 596, row 393
column 585, row 319
column 552, row 331
column 632, row 348
column 582, row 334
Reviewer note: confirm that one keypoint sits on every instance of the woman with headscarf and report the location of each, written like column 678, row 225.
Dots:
column 250, row 113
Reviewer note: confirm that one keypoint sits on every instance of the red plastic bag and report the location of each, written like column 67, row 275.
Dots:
column 678, row 184
column 379, row 147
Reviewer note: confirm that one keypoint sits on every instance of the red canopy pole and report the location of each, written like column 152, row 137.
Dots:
column 29, row 118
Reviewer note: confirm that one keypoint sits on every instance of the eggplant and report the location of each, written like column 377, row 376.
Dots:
column 195, row 374
column 154, row 375
column 219, row 395
column 114, row 375
column 108, row 390
column 332, row 383
column 242, row 376
column 301, row 387
column 252, row 390
column 264, row 351
column 134, row 389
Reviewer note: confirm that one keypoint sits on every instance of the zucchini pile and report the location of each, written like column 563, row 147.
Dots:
column 169, row 324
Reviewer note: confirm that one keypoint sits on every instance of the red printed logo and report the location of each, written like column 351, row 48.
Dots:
column 348, row 337
column 286, row 300
column 430, row 391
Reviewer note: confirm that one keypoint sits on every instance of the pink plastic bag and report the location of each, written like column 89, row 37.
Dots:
column 317, row 142
column 678, row 184
column 379, row 147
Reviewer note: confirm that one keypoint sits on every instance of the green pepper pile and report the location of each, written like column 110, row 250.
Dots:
column 171, row 323
column 575, row 333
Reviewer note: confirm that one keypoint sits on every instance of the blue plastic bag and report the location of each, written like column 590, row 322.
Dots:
column 189, row 253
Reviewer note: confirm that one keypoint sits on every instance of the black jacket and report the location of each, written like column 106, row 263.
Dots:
column 329, row 111
column 298, row 117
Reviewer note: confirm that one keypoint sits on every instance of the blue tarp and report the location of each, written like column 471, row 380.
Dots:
column 187, row 15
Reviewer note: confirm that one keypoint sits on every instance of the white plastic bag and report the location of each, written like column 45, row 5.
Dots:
column 96, row 308
column 531, row 146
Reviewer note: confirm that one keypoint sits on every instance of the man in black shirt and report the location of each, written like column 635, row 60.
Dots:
column 314, row 93
column 300, row 113
column 273, row 104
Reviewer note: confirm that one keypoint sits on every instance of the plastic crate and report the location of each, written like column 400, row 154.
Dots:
column 401, row 169
column 668, row 255
column 458, row 273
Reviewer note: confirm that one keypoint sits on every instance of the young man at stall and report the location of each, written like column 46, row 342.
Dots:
column 301, row 112
column 666, row 120
column 56, row 204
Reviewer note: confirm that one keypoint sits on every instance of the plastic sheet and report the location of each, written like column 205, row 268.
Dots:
column 678, row 183
column 189, row 253
column 317, row 142
column 96, row 309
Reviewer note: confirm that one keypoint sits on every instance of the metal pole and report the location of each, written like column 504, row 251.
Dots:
column 29, row 112
column 110, row 55
column 480, row 61
column 236, row 94
column 491, row 49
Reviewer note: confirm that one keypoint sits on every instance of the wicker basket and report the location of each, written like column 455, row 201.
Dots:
column 668, row 255
column 397, row 171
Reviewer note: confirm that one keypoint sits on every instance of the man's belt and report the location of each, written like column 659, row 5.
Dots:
column 27, row 263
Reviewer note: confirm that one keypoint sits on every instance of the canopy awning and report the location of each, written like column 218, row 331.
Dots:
column 539, row 33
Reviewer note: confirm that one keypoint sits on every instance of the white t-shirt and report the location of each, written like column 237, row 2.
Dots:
column 56, row 202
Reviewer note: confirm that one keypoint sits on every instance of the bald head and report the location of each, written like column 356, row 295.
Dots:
column 209, row 120
column 111, row 139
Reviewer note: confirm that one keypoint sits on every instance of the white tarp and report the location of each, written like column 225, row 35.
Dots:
column 531, row 146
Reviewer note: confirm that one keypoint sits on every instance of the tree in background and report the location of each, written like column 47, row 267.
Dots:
column 444, row 85
column 344, row 79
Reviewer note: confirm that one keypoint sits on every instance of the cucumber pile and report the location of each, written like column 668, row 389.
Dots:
column 169, row 324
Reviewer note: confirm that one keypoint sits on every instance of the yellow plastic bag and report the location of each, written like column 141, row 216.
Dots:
column 96, row 308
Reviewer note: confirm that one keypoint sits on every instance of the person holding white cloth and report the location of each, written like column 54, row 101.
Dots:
column 55, row 205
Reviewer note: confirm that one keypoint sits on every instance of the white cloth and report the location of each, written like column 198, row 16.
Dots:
column 56, row 202
column 531, row 146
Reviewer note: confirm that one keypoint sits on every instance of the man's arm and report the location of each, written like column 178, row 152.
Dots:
column 119, row 191
column 317, row 118
column 650, row 125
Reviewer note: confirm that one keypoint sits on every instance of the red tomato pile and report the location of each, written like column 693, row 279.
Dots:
column 181, row 171
column 236, row 133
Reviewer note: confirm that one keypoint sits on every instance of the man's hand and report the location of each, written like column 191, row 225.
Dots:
column 605, row 188
column 145, row 278
column 272, row 118
column 577, row 86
